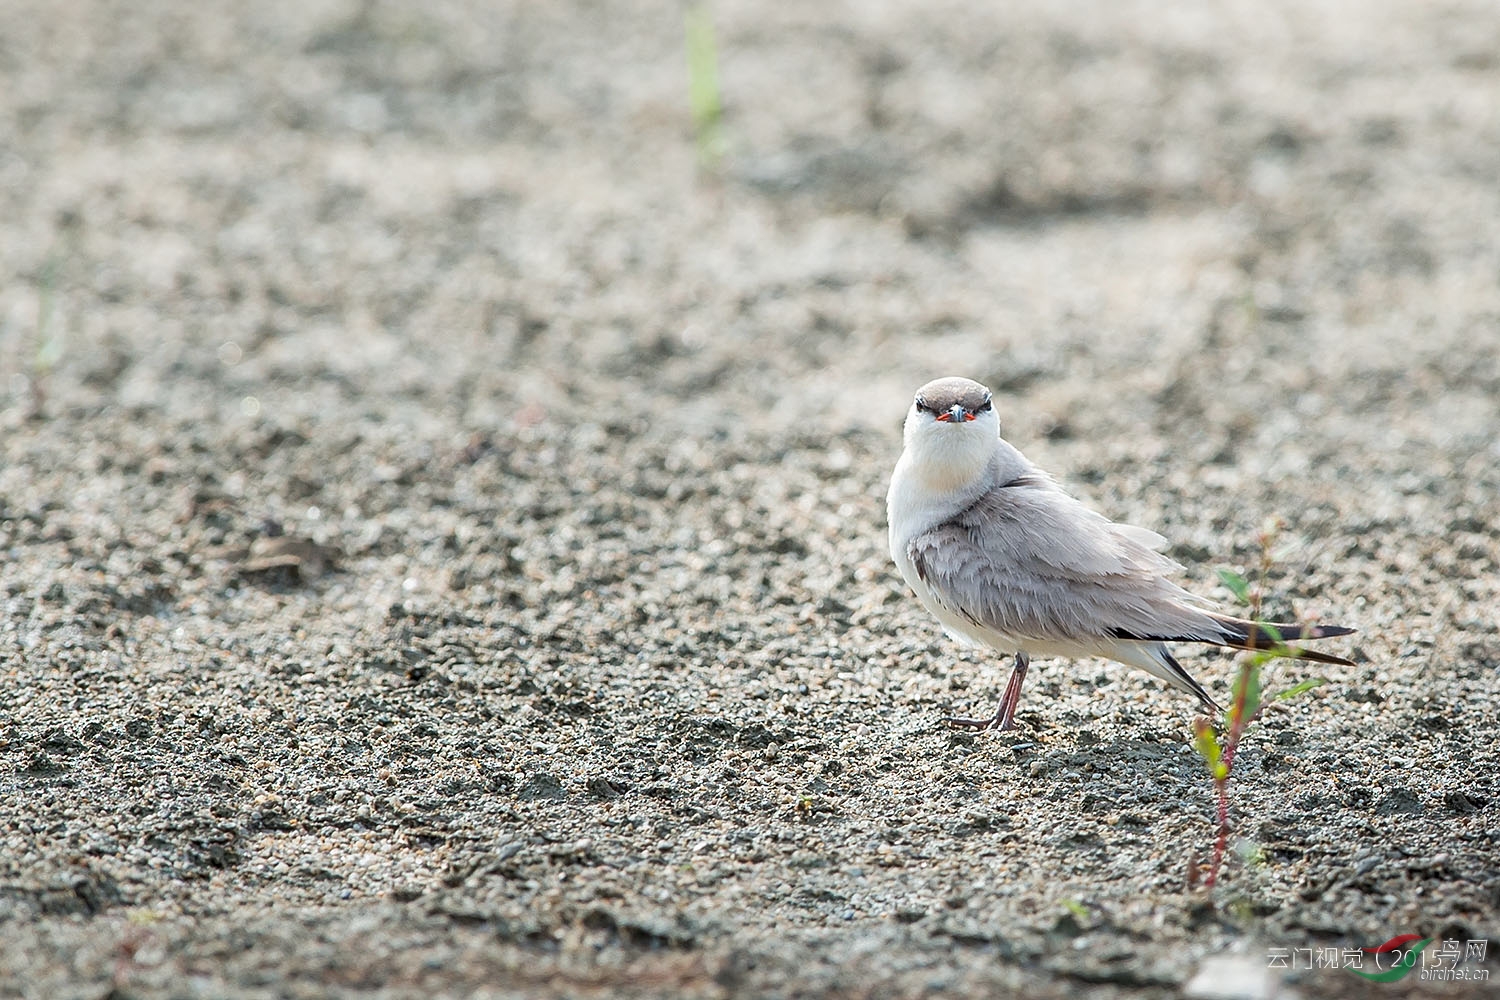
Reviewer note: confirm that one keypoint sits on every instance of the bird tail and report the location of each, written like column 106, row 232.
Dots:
column 1275, row 638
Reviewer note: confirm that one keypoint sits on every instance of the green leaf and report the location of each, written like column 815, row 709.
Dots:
column 703, row 80
column 1277, row 647
column 1207, row 745
column 1246, row 693
column 1236, row 584
column 1297, row 689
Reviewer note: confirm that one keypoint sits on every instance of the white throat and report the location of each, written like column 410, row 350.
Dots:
column 943, row 469
column 945, row 458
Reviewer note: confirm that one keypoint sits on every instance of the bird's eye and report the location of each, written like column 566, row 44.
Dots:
column 986, row 405
column 922, row 405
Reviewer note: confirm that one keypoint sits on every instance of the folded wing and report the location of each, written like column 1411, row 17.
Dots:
column 1029, row 561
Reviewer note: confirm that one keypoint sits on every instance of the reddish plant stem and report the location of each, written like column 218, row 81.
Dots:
column 1237, row 722
column 1221, row 785
column 1221, row 843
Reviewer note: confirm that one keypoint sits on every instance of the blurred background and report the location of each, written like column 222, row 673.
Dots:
column 287, row 202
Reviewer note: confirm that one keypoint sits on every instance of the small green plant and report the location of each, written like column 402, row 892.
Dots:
column 1296, row 689
column 49, row 342
column 1247, row 699
column 1076, row 908
column 49, row 339
column 703, row 82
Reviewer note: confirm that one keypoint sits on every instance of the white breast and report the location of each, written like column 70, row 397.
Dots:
column 913, row 510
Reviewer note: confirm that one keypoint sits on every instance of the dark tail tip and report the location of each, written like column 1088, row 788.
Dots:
column 1269, row 635
column 1298, row 653
column 1277, row 637
column 1327, row 631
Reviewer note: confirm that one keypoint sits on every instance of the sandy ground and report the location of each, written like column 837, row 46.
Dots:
column 443, row 525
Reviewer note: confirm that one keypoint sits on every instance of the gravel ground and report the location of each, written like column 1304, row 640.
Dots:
column 443, row 525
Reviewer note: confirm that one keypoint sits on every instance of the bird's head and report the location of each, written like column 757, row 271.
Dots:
column 952, row 425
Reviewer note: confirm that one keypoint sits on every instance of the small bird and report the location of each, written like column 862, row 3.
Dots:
column 1004, row 558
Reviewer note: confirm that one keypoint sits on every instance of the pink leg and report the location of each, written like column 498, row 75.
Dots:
column 1005, row 716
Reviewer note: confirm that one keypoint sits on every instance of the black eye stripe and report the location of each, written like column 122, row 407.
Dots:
column 927, row 406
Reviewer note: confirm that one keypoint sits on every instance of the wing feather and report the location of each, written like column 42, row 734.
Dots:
column 1029, row 561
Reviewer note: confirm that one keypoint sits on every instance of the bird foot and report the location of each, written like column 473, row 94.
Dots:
column 979, row 725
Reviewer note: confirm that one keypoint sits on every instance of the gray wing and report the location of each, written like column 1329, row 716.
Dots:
column 1027, row 560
